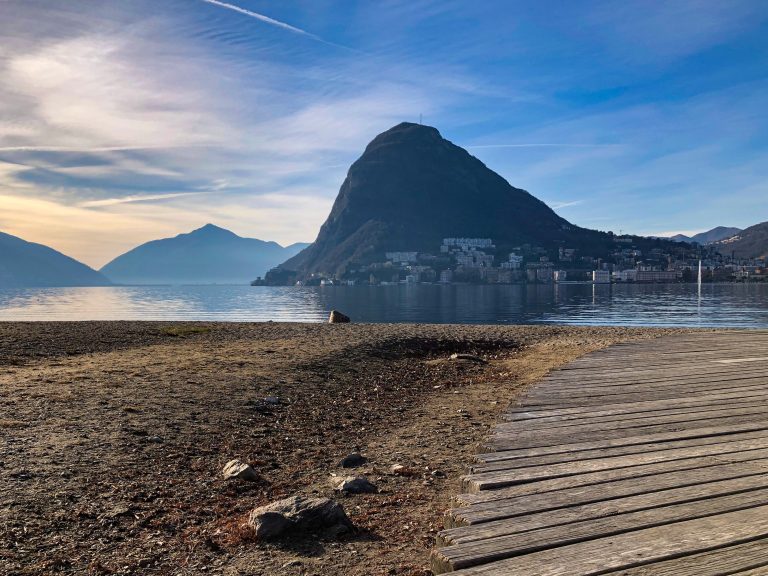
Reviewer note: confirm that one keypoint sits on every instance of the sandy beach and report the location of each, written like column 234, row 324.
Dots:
column 114, row 436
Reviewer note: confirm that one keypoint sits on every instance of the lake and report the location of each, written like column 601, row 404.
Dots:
column 719, row 305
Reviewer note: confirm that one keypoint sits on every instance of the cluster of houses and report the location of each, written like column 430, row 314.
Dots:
column 477, row 260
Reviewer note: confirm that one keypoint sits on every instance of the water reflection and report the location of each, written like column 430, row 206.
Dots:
column 738, row 305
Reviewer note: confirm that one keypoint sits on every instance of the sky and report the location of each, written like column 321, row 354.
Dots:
column 123, row 121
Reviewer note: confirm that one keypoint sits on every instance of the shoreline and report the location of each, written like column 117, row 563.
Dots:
column 116, row 434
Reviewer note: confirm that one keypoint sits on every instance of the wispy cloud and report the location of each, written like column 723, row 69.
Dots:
column 557, row 205
column 537, row 145
column 139, row 198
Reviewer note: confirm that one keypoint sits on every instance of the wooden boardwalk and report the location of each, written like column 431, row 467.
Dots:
column 643, row 459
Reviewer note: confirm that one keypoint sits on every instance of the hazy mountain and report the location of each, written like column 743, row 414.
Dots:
column 709, row 237
column 209, row 255
column 26, row 264
column 749, row 243
column 410, row 189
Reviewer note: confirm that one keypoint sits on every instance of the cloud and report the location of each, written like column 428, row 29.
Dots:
column 557, row 205
column 129, row 199
column 543, row 145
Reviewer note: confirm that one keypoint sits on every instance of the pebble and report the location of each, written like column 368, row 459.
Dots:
column 353, row 460
column 468, row 357
column 356, row 485
column 237, row 469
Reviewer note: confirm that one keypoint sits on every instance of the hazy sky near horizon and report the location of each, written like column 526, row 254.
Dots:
column 123, row 121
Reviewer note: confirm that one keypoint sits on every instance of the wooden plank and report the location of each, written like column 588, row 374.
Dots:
column 493, row 505
column 501, row 463
column 529, row 414
column 503, row 453
column 601, row 509
column 628, row 420
column 541, row 438
column 628, row 550
column 604, row 476
column 748, row 559
column 509, row 476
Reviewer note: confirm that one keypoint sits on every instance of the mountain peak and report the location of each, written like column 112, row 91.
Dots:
column 406, row 133
column 412, row 188
column 212, row 230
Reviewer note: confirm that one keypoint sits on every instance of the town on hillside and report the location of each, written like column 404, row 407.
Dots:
column 477, row 261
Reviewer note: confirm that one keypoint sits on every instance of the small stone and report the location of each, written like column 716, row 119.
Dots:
column 468, row 357
column 273, row 400
column 400, row 470
column 357, row 485
column 337, row 317
column 237, row 469
column 438, row 474
column 353, row 460
column 299, row 513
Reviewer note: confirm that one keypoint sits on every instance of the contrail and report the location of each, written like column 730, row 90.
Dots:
column 273, row 22
column 261, row 17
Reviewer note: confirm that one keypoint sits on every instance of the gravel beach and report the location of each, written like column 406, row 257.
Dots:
column 114, row 436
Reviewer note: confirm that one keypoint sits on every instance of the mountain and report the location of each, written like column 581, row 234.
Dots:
column 208, row 255
column 749, row 243
column 709, row 237
column 410, row 189
column 26, row 264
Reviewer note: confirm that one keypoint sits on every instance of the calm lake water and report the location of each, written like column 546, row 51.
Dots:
column 735, row 305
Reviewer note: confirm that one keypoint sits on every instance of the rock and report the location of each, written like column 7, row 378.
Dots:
column 400, row 470
column 356, row 485
column 337, row 317
column 353, row 460
column 468, row 357
column 237, row 469
column 273, row 400
column 299, row 514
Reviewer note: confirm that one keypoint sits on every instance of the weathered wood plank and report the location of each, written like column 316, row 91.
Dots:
column 748, row 559
column 501, row 463
column 757, row 447
column 503, row 452
column 603, row 508
column 495, row 505
column 629, row 550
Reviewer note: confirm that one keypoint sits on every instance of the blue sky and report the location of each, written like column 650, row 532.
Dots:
column 123, row 121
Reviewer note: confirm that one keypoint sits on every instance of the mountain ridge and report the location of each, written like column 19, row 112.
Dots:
column 712, row 236
column 25, row 264
column 207, row 255
column 751, row 242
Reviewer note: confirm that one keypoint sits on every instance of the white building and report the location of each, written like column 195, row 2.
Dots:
column 601, row 277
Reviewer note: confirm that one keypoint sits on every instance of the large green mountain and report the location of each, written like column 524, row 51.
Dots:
column 751, row 242
column 410, row 189
column 26, row 264
column 208, row 255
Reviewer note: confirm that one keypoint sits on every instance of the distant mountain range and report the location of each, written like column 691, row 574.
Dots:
column 25, row 264
column 410, row 189
column 208, row 255
column 749, row 243
column 709, row 237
